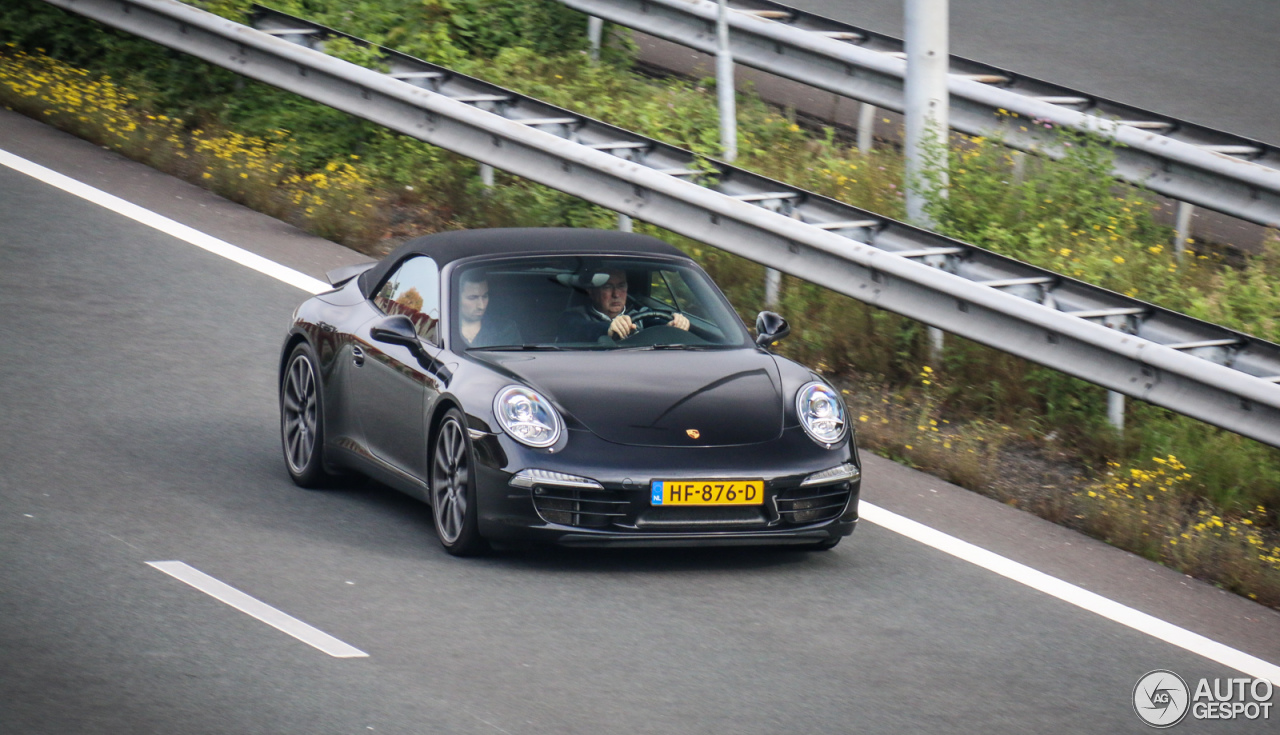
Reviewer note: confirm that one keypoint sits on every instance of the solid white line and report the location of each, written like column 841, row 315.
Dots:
column 1067, row 592
column 256, row 608
column 164, row 224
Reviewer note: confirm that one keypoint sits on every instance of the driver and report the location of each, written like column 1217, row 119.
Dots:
column 608, row 313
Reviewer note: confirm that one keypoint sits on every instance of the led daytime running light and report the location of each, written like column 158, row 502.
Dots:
column 844, row 473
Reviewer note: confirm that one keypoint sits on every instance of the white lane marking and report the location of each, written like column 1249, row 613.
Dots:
column 1067, row 592
column 164, row 224
column 256, row 608
column 1021, row 573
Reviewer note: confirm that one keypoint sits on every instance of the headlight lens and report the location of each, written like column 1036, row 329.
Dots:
column 526, row 416
column 821, row 413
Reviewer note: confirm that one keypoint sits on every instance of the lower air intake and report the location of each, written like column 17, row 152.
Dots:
column 584, row 508
column 813, row 504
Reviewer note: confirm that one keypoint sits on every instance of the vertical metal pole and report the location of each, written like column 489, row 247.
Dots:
column 595, row 29
column 1019, row 167
column 724, row 87
column 624, row 222
column 866, row 127
column 927, row 104
column 1182, row 229
column 1115, row 410
column 772, row 287
column 486, row 175
column 773, row 278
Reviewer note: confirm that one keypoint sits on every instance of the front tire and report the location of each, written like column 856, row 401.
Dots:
column 453, row 492
column 302, row 419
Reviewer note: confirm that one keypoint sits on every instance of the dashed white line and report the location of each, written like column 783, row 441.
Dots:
column 256, row 608
column 1065, row 591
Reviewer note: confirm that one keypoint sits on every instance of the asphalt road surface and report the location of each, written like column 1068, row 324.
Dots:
column 138, row 423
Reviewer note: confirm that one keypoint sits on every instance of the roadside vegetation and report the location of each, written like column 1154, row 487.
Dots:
column 1173, row 489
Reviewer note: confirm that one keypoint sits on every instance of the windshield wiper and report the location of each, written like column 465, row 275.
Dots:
column 519, row 348
column 665, row 347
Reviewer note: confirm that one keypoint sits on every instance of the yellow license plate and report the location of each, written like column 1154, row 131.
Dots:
column 707, row 492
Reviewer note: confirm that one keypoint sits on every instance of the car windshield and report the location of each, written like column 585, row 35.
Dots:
column 590, row 303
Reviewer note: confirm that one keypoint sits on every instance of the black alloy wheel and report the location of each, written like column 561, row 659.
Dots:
column 302, row 420
column 453, row 494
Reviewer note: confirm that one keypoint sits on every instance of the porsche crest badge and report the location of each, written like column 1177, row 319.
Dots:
column 693, row 433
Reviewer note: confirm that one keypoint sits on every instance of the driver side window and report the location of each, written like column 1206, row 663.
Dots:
column 413, row 289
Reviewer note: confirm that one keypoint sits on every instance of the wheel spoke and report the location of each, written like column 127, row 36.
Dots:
column 450, row 447
column 308, row 379
column 444, row 517
column 305, row 444
column 456, row 511
column 459, row 447
column 460, row 507
column 452, row 528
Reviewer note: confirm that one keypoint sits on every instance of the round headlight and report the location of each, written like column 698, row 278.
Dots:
column 821, row 413
column 526, row 416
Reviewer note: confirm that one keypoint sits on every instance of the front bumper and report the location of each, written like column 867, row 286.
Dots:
column 616, row 509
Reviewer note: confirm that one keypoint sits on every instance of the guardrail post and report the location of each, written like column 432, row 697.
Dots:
column 1182, row 229
column 624, row 222
column 724, row 87
column 773, row 279
column 866, row 127
column 595, row 29
column 927, row 100
column 772, row 287
column 1115, row 411
column 486, row 175
column 1019, row 167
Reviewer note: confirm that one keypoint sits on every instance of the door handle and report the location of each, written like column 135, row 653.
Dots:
column 357, row 355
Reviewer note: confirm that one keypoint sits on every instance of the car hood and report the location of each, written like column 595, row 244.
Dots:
column 659, row 398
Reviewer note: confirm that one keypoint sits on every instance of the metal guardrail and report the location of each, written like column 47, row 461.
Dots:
column 1219, row 376
column 1191, row 163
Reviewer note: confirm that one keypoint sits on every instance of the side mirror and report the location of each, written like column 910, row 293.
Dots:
column 770, row 327
column 396, row 329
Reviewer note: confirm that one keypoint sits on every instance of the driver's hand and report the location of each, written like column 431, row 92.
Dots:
column 679, row 321
column 621, row 327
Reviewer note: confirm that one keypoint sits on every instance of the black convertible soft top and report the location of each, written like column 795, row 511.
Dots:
column 446, row 247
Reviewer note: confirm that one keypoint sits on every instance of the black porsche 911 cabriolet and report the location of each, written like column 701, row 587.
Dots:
column 582, row 387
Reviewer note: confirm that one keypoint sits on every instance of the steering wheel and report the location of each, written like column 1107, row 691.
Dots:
column 647, row 317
